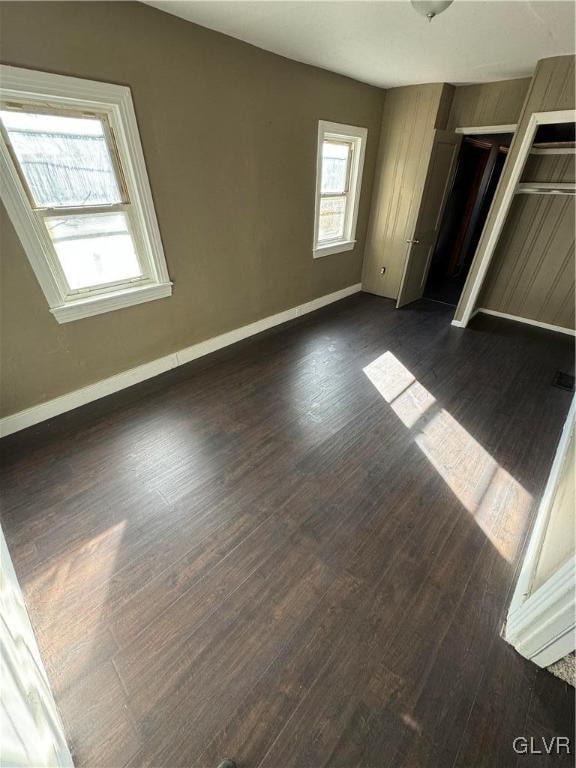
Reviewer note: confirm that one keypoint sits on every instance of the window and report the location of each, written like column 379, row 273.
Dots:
column 338, row 183
column 75, row 185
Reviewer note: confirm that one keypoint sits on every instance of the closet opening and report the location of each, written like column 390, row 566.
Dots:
column 480, row 163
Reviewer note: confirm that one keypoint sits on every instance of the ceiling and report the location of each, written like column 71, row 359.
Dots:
column 387, row 43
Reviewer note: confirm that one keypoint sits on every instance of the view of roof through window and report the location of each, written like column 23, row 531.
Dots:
column 66, row 161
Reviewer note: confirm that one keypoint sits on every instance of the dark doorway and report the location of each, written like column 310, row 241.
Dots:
column 479, row 167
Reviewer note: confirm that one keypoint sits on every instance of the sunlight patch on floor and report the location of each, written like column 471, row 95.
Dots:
column 481, row 485
column 68, row 579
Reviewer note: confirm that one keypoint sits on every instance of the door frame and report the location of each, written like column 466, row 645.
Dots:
column 540, row 624
column 536, row 119
column 32, row 709
column 484, row 129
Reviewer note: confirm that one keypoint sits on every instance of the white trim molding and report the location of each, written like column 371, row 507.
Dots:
column 71, row 400
column 25, row 88
column 356, row 137
column 541, row 625
column 97, row 305
column 525, row 320
column 543, row 628
column 32, row 731
column 340, row 247
column 459, row 323
column 510, row 188
column 480, row 130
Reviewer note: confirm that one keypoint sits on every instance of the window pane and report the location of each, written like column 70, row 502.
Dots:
column 65, row 160
column 335, row 158
column 94, row 249
column 332, row 213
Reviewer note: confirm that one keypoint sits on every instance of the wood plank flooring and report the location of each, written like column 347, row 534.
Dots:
column 298, row 551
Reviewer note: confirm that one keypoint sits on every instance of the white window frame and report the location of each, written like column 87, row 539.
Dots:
column 356, row 136
column 114, row 102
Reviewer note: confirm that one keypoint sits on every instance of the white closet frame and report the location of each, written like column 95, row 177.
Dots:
column 510, row 189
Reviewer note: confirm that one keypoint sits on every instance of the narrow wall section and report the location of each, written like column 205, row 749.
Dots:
column 482, row 104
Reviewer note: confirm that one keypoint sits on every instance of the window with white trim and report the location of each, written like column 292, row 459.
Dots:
column 75, row 185
column 339, row 166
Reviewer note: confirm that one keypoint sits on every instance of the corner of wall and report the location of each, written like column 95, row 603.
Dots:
column 445, row 106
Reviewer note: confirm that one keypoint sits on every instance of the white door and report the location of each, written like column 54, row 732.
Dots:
column 420, row 247
column 32, row 734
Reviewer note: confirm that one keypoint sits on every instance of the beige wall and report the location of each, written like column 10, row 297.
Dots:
column 498, row 103
column 551, row 88
column 410, row 115
column 560, row 536
column 229, row 135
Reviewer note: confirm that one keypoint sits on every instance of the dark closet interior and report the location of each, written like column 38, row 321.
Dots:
column 480, row 164
column 555, row 136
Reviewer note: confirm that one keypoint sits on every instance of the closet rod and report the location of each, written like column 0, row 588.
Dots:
column 553, row 151
column 553, row 148
column 546, row 188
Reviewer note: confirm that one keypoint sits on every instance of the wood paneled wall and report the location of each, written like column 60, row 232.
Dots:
column 551, row 168
column 410, row 115
column 409, row 118
column 552, row 88
column 532, row 270
column 498, row 103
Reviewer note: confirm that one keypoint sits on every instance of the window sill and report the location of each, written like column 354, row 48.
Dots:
column 340, row 247
column 97, row 305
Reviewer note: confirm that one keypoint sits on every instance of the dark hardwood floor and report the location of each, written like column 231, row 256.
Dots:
column 300, row 550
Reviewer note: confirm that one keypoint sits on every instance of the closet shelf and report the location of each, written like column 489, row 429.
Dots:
column 546, row 188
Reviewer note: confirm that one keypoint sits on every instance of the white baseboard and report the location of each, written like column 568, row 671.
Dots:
column 527, row 321
column 68, row 402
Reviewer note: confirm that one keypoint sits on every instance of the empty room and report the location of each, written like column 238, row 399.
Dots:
column 287, row 411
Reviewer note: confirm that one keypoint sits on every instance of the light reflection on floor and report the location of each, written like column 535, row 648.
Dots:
column 83, row 574
column 481, row 485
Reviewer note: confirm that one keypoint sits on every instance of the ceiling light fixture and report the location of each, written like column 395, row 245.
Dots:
column 430, row 8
